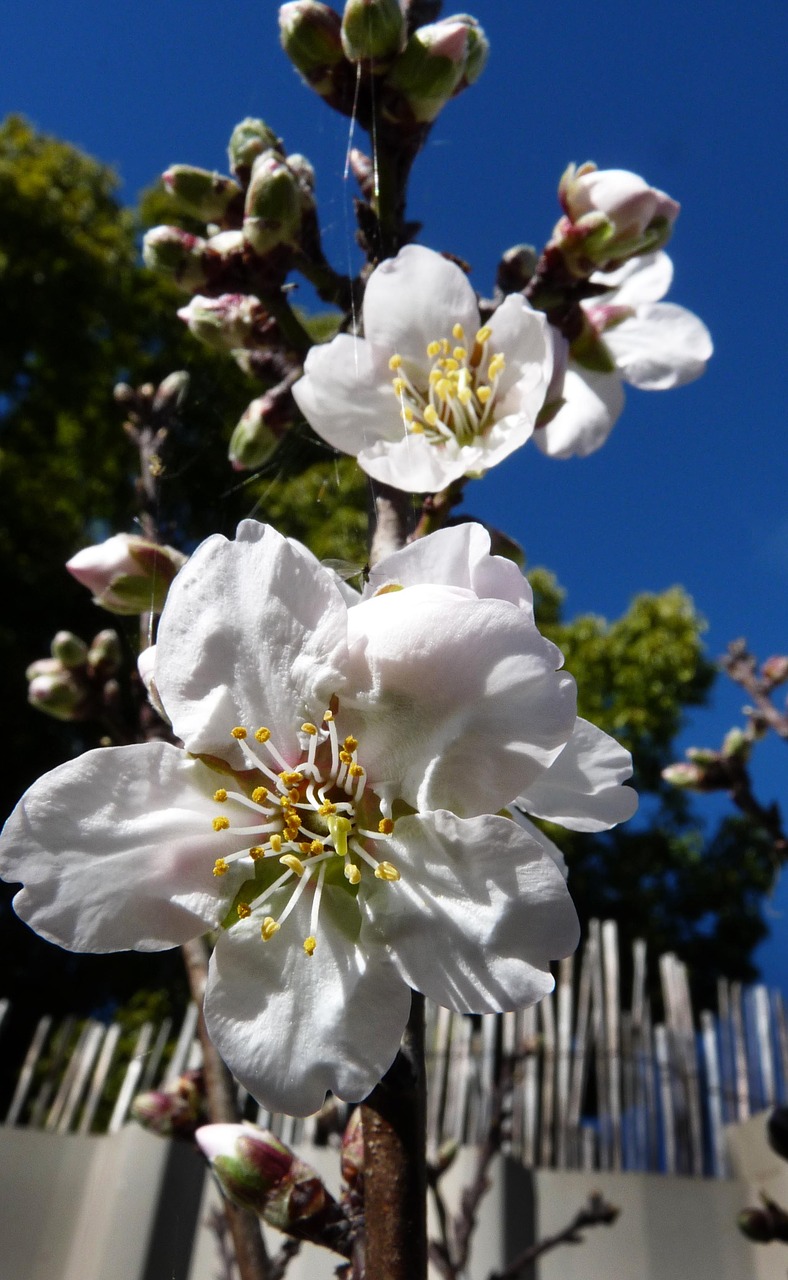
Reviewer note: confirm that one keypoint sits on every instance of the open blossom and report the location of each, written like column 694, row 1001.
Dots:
column 650, row 344
column 336, row 807
column 429, row 394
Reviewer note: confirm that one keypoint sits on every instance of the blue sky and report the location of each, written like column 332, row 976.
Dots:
column 691, row 486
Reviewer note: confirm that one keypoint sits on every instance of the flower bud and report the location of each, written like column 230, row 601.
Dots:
column 253, row 441
column 516, row 268
column 611, row 215
column 127, row 574
column 58, row 694
column 736, row 743
column 177, row 253
column 105, row 652
column 273, row 204
column 176, row 1111
column 477, row 50
column 223, row 323
column 304, row 173
column 684, row 774
column 311, row 37
column 248, row 140
column 764, row 1225
column 431, row 67
column 207, row 195
column 775, row 670
column 170, row 394
column 372, row 30
column 69, row 650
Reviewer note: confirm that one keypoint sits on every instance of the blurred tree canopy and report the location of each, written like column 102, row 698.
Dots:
column 80, row 314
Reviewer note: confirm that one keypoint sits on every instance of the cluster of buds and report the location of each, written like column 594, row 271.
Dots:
column 176, row 1111
column 127, row 574
column 610, row 216
column 415, row 72
column 78, row 680
column 707, row 770
column 257, row 1171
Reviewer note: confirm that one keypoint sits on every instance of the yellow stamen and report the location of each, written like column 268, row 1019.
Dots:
column 291, row 778
column 385, row 871
column 220, row 796
column 276, row 843
column 268, row 928
column 484, row 334
column 460, row 353
column 293, row 863
column 497, row 365
column 395, row 362
column 350, row 743
column 352, row 873
column 244, row 910
column 433, row 349
column 458, row 332
column 430, row 415
column 399, row 385
column 221, row 824
column 483, row 394
column 262, row 734
column 309, row 945
column 256, row 852
column 305, row 847
column 385, row 826
column 221, row 867
column 356, row 771
column 309, row 728
column 326, row 809
column 239, row 732
column 329, row 715
column 346, row 757
column 316, row 846
column 259, row 794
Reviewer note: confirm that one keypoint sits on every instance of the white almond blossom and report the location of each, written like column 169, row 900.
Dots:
column 429, row 394
column 336, row 806
column 653, row 345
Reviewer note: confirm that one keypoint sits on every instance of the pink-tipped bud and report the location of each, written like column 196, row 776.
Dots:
column 127, row 574
column 207, row 195
column 611, row 215
column 431, row 67
column 372, row 30
column 176, row 1111
column 225, row 323
column 177, row 254
column 58, row 694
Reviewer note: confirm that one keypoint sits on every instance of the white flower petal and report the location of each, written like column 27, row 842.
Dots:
column 521, row 335
column 593, row 402
column 455, row 697
column 116, row 851
column 292, row 1026
column 582, row 788
column 478, row 914
column 660, row 347
column 412, row 464
column 347, row 396
column 455, row 557
column 253, row 633
column 539, row 836
column 414, row 299
column 643, row 279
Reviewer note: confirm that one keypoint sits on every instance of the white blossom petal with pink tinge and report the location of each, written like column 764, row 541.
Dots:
column 592, row 405
column 582, row 789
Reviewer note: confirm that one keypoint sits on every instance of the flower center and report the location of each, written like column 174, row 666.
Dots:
column 458, row 400
column 316, row 819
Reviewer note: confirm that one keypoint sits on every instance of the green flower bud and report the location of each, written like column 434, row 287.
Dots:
column 69, row 650
column 105, row 651
column 430, row 69
column 253, row 440
column 207, row 195
column 304, row 172
column 248, row 140
column 225, row 323
column 311, row 37
column 478, row 51
column 372, row 30
column 170, row 393
column 736, row 743
column 176, row 253
column 273, row 204
column 59, row 695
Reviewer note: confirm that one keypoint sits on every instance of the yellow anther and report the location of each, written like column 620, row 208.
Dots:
column 351, row 873
column 239, row 732
column 416, row 428
column 309, row 945
column 385, row 871
column 346, row 757
column 465, row 395
column 305, row 847
column 244, row 910
column 445, row 346
column 444, row 389
column 430, row 415
column 309, row 728
column 385, row 826
column 276, row 843
column 483, row 394
column 329, row 715
column 408, row 415
column 220, row 796
column 221, row 867
column 268, row 928
column 294, row 795
column 356, row 771
column 458, row 332
column 293, row 863
column 327, row 808
column 484, row 334
column 497, row 365
column 316, row 846
column 452, row 365
column 395, row 362
column 262, row 734
column 256, row 852
column 259, row 794
column 460, row 353
column 399, row 386
column 291, row 778
column 350, row 743
column 339, row 829
column 221, row 824
column 433, row 349
column 435, row 375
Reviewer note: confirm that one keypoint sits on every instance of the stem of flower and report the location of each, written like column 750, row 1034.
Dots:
column 395, row 1166
column 250, row 1251
column 391, row 520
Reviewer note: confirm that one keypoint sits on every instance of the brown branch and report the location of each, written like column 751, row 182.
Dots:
column 595, row 1213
